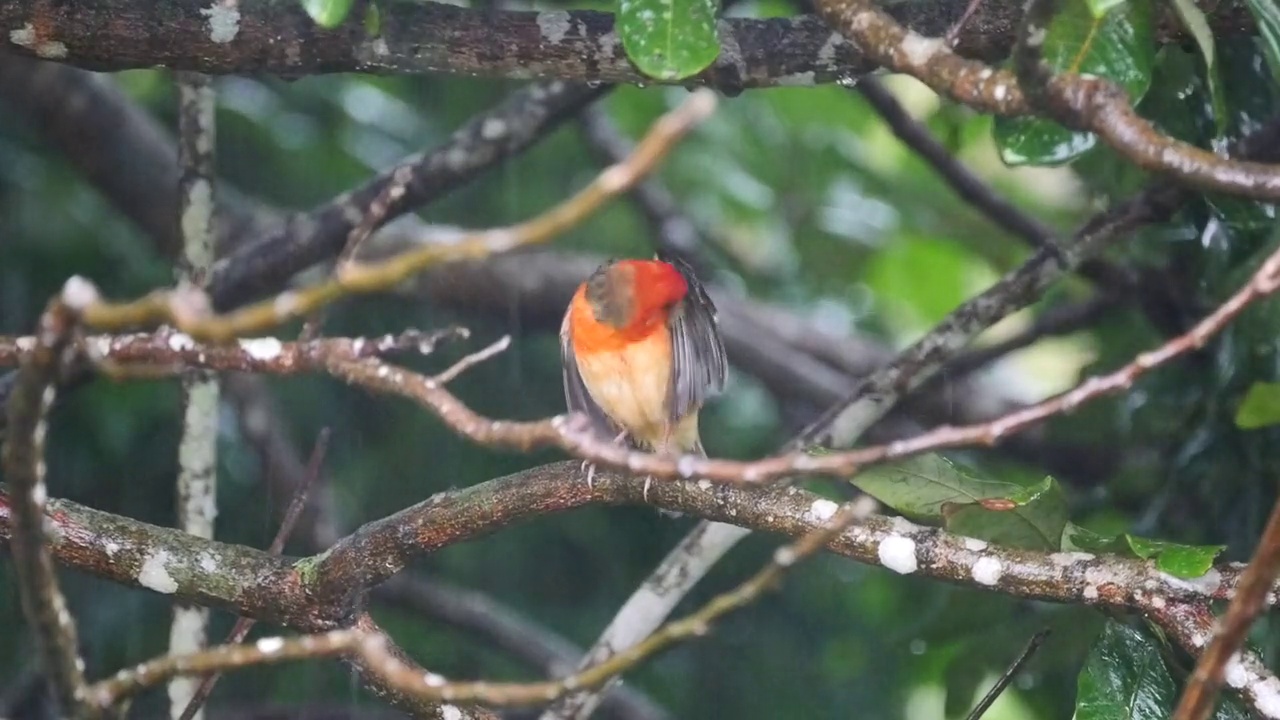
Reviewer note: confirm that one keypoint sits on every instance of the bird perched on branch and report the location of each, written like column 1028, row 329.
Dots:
column 642, row 352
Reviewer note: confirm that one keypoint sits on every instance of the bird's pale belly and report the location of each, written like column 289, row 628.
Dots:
column 631, row 386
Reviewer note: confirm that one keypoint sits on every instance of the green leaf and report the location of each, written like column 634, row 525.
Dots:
column 1119, row 45
column 1260, row 407
column 1183, row 561
column 1124, row 678
column 932, row 489
column 1267, row 15
column 327, row 14
column 1194, row 20
column 669, row 39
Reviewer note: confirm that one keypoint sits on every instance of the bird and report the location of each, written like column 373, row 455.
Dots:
column 641, row 351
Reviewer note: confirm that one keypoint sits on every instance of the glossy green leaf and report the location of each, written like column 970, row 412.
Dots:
column 1184, row 561
column 1194, row 20
column 327, row 13
column 669, row 39
column 1124, row 678
column 1119, row 45
column 1260, row 407
column 932, row 489
column 1267, row 15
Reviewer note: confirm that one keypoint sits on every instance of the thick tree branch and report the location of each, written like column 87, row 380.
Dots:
column 85, row 536
column 577, row 45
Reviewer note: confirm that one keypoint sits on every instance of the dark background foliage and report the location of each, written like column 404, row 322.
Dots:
column 811, row 204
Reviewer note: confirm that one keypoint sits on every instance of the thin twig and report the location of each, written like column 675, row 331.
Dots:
column 197, row 483
column 473, row 359
column 243, row 625
column 1201, row 691
column 1007, row 677
column 43, row 603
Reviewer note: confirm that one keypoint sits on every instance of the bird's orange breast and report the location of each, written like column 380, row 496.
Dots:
column 627, row 374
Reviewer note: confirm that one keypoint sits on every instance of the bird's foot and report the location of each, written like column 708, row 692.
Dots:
column 589, row 468
column 648, row 480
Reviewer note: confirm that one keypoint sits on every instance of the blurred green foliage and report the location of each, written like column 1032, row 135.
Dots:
column 817, row 207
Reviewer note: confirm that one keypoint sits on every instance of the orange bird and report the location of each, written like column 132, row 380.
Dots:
column 642, row 352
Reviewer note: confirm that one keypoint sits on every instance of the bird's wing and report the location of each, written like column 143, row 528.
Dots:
column 698, row 361
column 576, row 396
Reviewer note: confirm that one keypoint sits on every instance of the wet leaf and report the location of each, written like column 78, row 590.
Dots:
column 1260, row 407
column 1118, row 45
column 669, row 39
column 932, row 489
column 1184, row 561
column 1267, row 15
column 327, row 14
column 1124, row 678
column 1194, row 20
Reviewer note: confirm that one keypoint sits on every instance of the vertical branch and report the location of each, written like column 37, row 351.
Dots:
column 198, row 450
column 24, row 469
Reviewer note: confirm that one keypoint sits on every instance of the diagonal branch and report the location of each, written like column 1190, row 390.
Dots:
column 512, row 127
column 187, row 312
column 1219, row 661
column 1078, row 102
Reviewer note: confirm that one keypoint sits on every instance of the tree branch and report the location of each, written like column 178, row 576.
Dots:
column 575, row 45
column 189, row 313
column 1078, row 102
column 198, row 449
column 24, row 465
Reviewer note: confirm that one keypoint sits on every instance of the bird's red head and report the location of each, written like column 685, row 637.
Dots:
column 633, row 296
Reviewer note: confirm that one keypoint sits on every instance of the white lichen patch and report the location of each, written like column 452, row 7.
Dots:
column 1266, row 697
column 1067, row 559
column 1236, row 675
column 154, row 573
column 821, row 510
column 704, row 485
column 263, row 349
column 827, row 53
column 111, row 548
column 208, row 562
column 898, row 553
column 554, row 25
column 450, row 712
column 492, row 128
column 903, row 525
column 918, row 49
column 224, row 22
column 974, row 544
column 181, row 342
column 609, row 44
column 27, row 37
column 270, row 645
column 1206, row 584
column 987, row 571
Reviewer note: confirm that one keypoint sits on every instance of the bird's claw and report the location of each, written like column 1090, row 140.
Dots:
column 648, row 480
column 589, row 468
